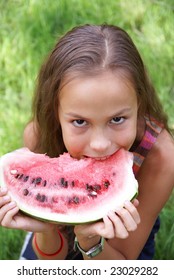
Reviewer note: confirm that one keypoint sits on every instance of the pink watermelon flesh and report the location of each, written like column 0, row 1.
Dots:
column 67, row 190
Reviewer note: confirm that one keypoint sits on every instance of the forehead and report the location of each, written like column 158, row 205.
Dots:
column 102, row 87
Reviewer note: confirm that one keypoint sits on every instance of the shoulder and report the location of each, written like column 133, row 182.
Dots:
column 31, row 135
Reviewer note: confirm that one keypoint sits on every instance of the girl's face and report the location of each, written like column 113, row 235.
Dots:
column 98, row 115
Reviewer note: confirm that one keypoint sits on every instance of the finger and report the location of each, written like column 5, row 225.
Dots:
column 3, row 191
column 107, row 229
column 119, row 228
column 127, row 219
column 133, row 210
column 7, row 213
column 5, row 208
column 135, row 202
column 4, row 200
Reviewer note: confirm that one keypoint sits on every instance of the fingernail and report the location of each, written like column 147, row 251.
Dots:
column 3, row 190
column 6, row 198
column 12, row 203
column 127, row 202
column 117, row 209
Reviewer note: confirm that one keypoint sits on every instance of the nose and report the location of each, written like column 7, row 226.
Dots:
column 100, row 142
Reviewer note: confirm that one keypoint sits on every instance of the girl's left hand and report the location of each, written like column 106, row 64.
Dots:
column 116, row 223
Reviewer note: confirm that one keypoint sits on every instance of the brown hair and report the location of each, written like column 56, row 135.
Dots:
column 88, row 50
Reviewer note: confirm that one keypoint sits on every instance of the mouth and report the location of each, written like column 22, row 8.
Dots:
column 99, row 158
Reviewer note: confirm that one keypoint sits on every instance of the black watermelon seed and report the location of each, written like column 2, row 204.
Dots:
column 43, row 198
column 106, row 184
column 66, row 184
column 89, row 187
column 62, row 181
column 26, row 178
column 96, row 188
column 40, row 197
column 76, row 199
column 25, row 192
column 38, row 180
column 72, row 183
column 17, row 176
column 44, row 183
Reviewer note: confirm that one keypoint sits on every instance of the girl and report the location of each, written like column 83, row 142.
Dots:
column 94, row 97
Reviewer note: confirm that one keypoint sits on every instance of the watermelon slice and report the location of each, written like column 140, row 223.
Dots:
column 67, row 190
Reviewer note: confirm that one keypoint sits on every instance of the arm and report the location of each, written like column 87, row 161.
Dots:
column 47, row 237
column 53, row 244
column 156, row 181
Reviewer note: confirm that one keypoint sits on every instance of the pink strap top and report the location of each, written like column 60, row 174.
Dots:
column 152, row 130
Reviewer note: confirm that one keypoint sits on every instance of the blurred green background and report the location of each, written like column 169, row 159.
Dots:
column 29, row 30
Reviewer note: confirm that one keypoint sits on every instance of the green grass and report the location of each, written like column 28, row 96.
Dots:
column 28, row 31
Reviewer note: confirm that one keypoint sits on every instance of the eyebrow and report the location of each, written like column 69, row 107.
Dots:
column 119, row 113
column 122, row 112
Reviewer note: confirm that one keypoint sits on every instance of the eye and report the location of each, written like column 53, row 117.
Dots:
column 79, row 123
column 117, row 120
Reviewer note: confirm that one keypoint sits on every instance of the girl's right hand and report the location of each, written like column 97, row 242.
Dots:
column 10, row 217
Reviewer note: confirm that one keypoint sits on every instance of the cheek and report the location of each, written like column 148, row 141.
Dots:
column 131, row 136
column 73, row 144
column 125, row 141
column 127, row 137
column 130, row 140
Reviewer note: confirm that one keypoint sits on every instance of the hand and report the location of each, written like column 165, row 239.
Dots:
column 123, row 220
column 10, row 217
column 116, row 223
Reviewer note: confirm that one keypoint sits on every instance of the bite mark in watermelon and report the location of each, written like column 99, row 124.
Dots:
column 67, row 190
